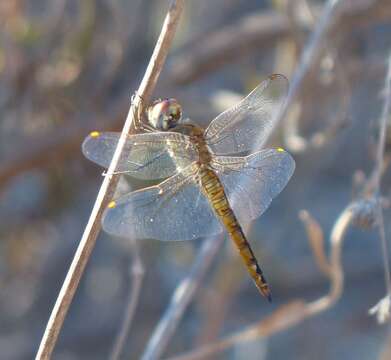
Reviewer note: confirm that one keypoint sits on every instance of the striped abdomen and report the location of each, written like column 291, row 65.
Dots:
column 214, row 190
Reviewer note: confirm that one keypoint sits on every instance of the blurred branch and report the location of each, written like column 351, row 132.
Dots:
column 382, row 310
column 258, row 32
column 311, row 51
column 214, row 303
column 59, row 144
column 108, row 186
column 63, row 144
column 286, row 316
column 293, row 140
column 384, row 118
column 137, row 275
column 295, row 312
column 181, row 298
column 316, row 240
column 385, row 353
column 22, row 81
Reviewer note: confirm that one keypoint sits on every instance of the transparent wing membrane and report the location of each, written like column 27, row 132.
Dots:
column 177, row 208
column 174, row 210
column 145, row 156
column 252, row 182
column 248, row 124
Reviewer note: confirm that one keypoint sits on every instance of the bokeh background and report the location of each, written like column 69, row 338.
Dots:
column 68, row 67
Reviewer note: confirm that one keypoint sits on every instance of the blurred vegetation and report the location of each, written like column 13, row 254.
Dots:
column 69, row 67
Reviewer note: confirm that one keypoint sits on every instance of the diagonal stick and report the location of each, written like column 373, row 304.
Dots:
column 108, row 186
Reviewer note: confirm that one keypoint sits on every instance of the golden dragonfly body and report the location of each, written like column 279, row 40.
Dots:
column 206, row 190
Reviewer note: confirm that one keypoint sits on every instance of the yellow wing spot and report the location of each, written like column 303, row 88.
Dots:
column 112, row 205
column 280, row 149
column 95, row 134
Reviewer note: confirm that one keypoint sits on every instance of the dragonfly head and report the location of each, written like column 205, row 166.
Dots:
column 164, row 114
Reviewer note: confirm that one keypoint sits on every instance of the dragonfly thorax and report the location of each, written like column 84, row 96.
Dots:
column 197, row 137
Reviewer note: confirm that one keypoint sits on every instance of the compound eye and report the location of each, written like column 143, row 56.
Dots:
column 164, row 114
column 175, row 110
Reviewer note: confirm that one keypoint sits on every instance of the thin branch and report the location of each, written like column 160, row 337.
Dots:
column 137, row 276
column 383, row 308
column 385, row 353
column 372, row 190
column 294, row 141
column 258, row 32
column 311, row 51
column 181, row 298
column 338, row 232
column 286, row 316
column 108, row 186
column 385, row 251
column 316, row 239
column 385, row 116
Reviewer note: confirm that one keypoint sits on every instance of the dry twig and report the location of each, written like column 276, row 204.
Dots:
column 258, row 32
column 311, row 51
column 181, row 298
column 383, row 308
column 137, row 276
column 108, row 186
column 293, row 139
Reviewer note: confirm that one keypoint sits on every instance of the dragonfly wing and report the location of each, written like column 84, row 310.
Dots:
column 252, row 182
column 175, row 209
column 248, row 124
column 145, row 156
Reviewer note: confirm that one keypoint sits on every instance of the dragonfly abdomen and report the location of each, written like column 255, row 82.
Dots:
column 215, row 193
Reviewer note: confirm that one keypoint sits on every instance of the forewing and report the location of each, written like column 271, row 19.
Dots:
column 145, row 156
column 173, row 210
column 248, row 124
column 252, row 182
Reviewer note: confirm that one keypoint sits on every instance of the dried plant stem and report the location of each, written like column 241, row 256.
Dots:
column 335, row 273
column 316, row 239
column 181, row 298
column 297, row 311
column 386, row 111
column 259, row 32
column 294, row 140
column 284, row 317
column 385, row 115
column 311, row 51
column 108, row 186
column 385, row 251
column 137, row 276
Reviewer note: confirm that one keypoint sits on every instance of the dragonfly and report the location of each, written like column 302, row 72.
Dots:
column 212, row 180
